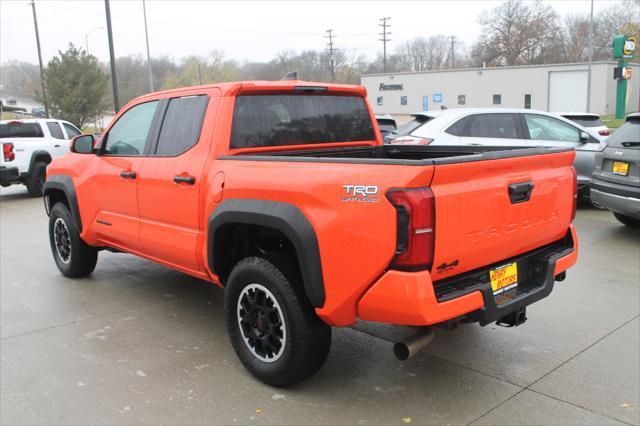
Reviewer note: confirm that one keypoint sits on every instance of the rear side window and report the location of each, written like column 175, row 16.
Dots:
column 277, row 120
column 585, row 120
column 21, row 130
column 55, row 130
column 459, row 127
column 182, row 125
column 499, row 126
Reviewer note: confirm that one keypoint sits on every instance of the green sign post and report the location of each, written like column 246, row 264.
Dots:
column 623, row 48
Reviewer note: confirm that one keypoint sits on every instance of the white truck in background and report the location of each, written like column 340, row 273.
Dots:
column 28, row 146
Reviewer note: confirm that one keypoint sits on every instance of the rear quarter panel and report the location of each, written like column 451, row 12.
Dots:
column 356, row 239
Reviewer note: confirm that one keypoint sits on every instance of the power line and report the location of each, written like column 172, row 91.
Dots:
column 453, row 43
column 384, row 39
column 330, row 36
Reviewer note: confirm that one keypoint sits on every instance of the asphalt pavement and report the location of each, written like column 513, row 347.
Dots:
column 137, row 343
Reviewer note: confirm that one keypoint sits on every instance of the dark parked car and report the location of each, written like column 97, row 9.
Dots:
column 616, row 181
column 387, row 124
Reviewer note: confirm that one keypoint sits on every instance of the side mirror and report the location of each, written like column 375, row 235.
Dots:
column 584, row 137
column 83, row 144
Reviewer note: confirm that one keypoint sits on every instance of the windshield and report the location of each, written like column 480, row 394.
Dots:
column 21, row 130
column 277, row 120
column 585, row 120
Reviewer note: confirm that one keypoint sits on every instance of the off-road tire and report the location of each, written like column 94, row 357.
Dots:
column 308, row 338
column 82, row 258
column 628, row 221
column 36, row 178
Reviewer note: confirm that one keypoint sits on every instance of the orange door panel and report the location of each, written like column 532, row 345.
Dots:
column 116, row 221
column 170, row 182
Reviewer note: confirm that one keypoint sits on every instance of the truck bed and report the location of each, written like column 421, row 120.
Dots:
column 416, row 155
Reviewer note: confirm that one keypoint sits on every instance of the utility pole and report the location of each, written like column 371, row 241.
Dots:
column 200, row 73
column 330, row 36
column 146, row 35
column 44, row 90
column 590, row 59
column 112, row 58
column 453, row 44
column 384, row 39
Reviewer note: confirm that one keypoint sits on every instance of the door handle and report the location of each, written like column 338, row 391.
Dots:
column 189, row 180
column 56, row 146
column 520, row 192
column 128, row 174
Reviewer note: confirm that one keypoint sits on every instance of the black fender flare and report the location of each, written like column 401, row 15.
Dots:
column 287, row 219
column 37, row 157
column 65, row 184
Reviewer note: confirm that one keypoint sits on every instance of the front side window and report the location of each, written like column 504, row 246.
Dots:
column 55, row 130
column 501, row 126
column 277, row 120
column 182, row 124
column 128, row 136
column 71, row 130
column 546, row 128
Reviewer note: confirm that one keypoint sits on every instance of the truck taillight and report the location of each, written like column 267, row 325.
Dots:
column 7, row 152
column 416, row 215
column 575, row 193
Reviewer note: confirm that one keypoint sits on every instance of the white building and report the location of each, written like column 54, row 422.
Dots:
column 554, row 88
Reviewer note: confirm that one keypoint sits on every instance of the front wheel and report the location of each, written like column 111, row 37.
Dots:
column 626, row 220
column 36, row 179
column 73, row 256
column 272, row 326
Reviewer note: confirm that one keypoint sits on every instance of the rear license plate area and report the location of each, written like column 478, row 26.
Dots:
column 504, row 278
column 620, row 168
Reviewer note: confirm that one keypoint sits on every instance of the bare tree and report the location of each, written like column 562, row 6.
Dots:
column 422, row 54
column 619, row 18
column 516, row 33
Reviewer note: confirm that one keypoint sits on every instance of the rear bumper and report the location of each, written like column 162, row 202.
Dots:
column 628, row 206
column 408, row 298
column 9, row 175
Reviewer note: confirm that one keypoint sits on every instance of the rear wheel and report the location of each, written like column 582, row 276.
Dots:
column 35, row 181
column 626, row 220
column 73, row 256
column 272, row 326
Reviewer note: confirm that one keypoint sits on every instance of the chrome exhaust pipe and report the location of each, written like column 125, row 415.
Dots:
column 413, row 344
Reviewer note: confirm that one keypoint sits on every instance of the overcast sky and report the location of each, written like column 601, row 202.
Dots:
column 244, row 30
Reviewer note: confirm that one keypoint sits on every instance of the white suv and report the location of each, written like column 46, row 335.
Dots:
column 503, row 127
column 28, row 146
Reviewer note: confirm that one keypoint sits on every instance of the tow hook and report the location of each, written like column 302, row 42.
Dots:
column 514, row 319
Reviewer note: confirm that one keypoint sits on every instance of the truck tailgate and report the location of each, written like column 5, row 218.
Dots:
column 483, row 215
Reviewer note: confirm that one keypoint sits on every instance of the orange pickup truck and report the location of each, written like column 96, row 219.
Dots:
column 283, row 194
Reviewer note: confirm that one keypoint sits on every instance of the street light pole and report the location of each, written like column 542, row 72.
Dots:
column 86, row 37
column 44, row 91
column 112, row 58
column 146, row 35
column 590, row 59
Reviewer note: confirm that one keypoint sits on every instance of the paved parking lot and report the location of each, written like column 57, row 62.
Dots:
column 137, row 343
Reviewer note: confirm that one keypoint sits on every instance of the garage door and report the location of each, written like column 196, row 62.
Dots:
column 567, row 91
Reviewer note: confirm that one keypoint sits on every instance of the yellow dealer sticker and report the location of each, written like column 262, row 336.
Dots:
column 504, row 278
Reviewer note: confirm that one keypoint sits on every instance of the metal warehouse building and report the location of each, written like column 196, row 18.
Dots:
column 555, row 88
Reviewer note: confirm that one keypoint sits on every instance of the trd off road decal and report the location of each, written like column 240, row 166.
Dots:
column 360, row 193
